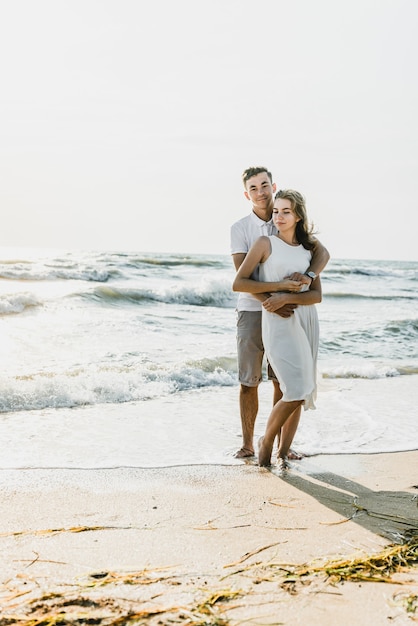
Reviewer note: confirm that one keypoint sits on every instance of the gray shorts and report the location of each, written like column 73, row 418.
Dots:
column 250, row 349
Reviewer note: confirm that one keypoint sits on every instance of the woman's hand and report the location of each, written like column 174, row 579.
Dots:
column 302, row 278
column 292, row 285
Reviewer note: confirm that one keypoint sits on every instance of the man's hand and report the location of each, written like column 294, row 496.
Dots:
column 277, row 303
column 287, row 310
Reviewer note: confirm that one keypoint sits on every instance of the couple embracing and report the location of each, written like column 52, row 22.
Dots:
column 278, row 262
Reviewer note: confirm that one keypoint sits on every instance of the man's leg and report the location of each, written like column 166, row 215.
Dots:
column 248, row 404
column 250, row 359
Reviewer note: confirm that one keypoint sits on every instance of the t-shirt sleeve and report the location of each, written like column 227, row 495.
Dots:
column 239, row 239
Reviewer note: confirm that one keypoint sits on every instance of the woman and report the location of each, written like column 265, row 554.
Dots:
column 291, row 343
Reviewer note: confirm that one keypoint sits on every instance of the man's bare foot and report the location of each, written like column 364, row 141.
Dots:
column 243, row 453
column 264, row 455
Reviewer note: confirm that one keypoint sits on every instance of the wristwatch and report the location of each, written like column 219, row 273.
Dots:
column 311, row 275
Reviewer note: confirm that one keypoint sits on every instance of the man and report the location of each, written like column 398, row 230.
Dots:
column 259, row 189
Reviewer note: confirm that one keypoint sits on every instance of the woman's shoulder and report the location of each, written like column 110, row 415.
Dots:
column 263, row 240
column 263, row 245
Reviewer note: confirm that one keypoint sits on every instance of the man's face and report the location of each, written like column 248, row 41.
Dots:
column 259, row 191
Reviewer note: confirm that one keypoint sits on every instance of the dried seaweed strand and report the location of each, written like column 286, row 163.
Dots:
column 141, row 577
column 286, row 506
column 73, row 529
column 341, row 521
column 54, row 618
column 210, row 527
column 247, row 555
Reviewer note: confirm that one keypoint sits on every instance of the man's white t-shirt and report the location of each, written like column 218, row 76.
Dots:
column 243, row 234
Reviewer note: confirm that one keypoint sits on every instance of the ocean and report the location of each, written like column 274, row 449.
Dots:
column 114, row 359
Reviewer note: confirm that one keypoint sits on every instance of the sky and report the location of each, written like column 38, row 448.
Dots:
column 126, row 124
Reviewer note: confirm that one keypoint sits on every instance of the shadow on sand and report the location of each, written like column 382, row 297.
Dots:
column 390, row 514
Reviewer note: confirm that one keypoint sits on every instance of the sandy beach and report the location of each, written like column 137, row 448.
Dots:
column 121, row 500
column 207, row 545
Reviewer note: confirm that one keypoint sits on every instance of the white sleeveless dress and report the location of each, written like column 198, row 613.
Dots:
column 291, row 344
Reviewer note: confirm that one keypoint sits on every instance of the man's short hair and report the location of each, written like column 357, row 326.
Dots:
column 253, row 171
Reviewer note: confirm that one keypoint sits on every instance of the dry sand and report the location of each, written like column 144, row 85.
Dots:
column 186, row 536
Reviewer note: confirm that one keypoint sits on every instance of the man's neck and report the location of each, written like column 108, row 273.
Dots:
column 263, row 214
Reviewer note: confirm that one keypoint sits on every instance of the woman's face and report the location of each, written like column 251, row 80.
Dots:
column 284, row 217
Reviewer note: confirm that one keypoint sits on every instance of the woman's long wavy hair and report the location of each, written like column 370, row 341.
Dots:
column 304, row 230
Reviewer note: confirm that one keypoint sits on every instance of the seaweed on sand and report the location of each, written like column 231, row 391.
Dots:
column 378, row 567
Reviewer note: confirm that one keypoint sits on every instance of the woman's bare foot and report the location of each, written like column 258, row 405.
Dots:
column 282, row 464
column 243, row 453
column 294, row 456
column 264, row 455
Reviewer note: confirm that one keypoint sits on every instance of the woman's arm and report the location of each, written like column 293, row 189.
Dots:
column 258, row 253
column 277, row 300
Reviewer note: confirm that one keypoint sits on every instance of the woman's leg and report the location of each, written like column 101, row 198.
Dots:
column 288, row 431
column 278, row 416
column 287, row 435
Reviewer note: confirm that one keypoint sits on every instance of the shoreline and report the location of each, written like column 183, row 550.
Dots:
column 202, row 426
column 162, row 540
